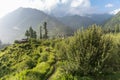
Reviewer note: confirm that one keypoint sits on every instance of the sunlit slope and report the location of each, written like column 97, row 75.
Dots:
column 14, row 25
column 114, row 21
column 28, row 61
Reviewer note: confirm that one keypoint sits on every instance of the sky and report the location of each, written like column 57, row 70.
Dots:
column 62, row 7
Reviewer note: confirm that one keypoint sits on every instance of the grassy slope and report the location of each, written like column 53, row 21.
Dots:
column 34, row 60
column 113, row 21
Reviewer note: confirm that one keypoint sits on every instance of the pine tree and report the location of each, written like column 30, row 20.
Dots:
column 87, row 51
column 40, row 32
column 31, row 32
column 27, row 34
column 117, row 29
column 34, row 34
column 46, row 32
column 0, row 42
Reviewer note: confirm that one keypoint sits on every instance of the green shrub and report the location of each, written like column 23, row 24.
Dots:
column 24, row 65
column 51, row 59
column 44, row 57
column 46, row 43
column 87, row 52
column 29, row 75
column 5, row 70
column 36, row 56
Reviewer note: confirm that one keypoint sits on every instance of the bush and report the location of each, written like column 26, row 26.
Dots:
column 42, row 67
column 46, row 43
column 51, row 59
column 26, row 64
column 87, row 52
column 29, row 75
column 44, row 57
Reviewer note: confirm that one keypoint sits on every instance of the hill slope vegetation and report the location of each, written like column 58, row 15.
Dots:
column 88, row 55
column 115, row 20
column 13, row 25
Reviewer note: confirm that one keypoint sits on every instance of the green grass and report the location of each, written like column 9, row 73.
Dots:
column 29, row 61
column 36, row 60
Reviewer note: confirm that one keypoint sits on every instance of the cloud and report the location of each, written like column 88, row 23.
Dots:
column 109, row 5
column 80, row 7
column 115, row 11
column 16, row 28
column 61, row 7
column 7, row 6
column 63, row 1
column 55, row 7
column 45, row 5
column 80, row 3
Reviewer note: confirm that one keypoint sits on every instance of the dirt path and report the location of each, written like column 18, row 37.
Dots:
column 54, row 70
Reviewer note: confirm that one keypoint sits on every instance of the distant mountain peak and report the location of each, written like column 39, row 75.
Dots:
column 113, row 21
column 114, row 12
column 23, row 18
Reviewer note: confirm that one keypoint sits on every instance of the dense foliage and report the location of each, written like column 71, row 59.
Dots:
column 88, row 51
column 91, row 54
column 113, row 21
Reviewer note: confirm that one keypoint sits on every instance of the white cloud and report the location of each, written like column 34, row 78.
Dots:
column 115, row 11
column 109, row 5
column 7, row 6
column 16, row 28
column 57, row 7
column 45, row 5
column 64, row 1
column 80, row 7
column 80, row 3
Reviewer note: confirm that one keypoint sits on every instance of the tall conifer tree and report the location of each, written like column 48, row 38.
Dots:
column 46, row 31
column 40, row 32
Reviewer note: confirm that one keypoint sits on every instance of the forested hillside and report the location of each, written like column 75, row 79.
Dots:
column 90, row 54
column 76, row 21
column 60, row 40
column 14, row 24
column 114, row 21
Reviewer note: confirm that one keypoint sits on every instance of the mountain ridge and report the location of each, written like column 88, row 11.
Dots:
column 115, row 20
column 15, row 23
column 76, row 21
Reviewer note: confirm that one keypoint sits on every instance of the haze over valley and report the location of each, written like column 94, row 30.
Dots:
column 14, row 24
column 59, row 39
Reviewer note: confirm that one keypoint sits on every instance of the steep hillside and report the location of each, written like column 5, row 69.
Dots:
column 77, row 21
column 88, row 55
column 100, row 19
column 28, row 61
column 13, row 25
column 115, row 20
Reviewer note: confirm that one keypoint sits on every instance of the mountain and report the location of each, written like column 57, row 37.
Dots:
column 113, row 21
column 28, row 61
column 76, row 21
column 100, row 19
column 14, row 25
